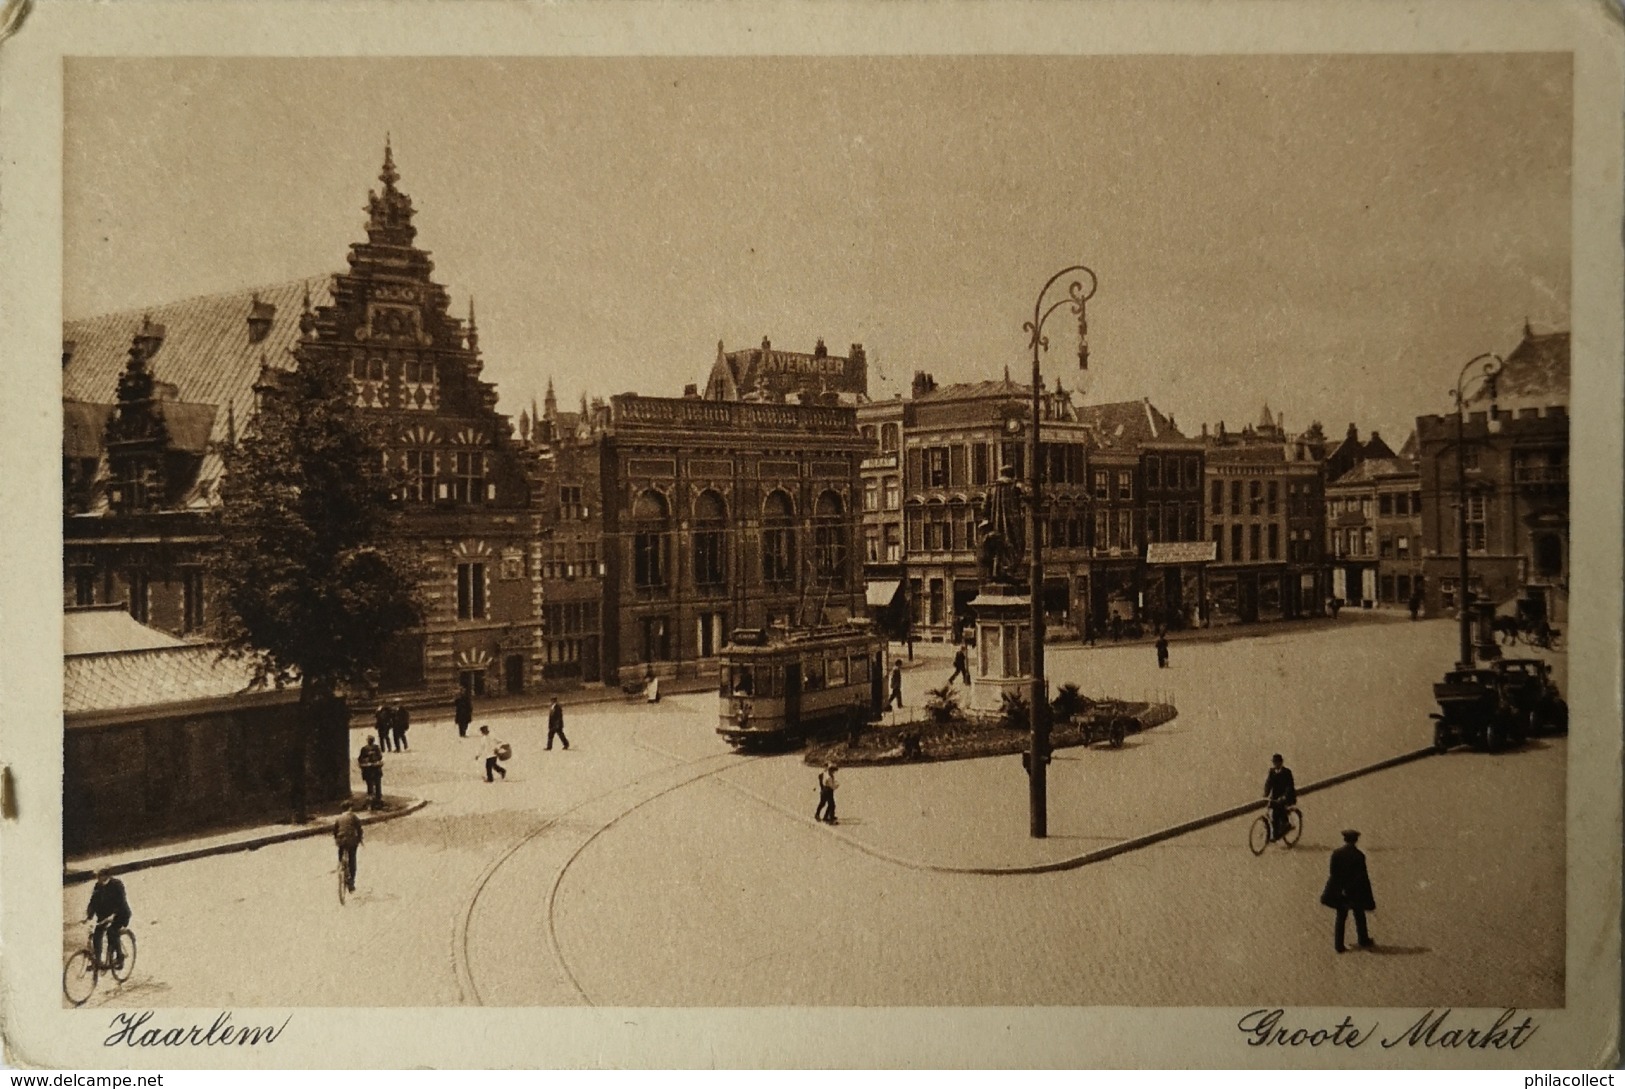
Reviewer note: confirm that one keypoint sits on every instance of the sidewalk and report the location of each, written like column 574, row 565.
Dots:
column 438, row 705
column 246, row 838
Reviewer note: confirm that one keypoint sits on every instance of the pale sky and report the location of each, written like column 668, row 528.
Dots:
column 1336, row 235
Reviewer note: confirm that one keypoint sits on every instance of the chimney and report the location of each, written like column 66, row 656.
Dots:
column 260, row 315
column 819, row 351
column 923, row 383
column 691, row 392
column 767, row 345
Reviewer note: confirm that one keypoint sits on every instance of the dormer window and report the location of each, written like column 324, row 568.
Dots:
column 260, row 316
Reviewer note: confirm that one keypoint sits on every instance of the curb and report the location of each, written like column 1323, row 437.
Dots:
column 314, row 828
column 1123, row 847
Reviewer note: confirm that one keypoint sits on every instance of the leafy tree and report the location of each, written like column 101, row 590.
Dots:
column 310, row 585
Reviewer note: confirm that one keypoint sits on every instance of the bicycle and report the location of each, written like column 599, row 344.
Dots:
column 81, row 971
column 1262, row 832
column 344, row 876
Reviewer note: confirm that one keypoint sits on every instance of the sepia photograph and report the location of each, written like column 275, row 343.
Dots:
column 837, row 528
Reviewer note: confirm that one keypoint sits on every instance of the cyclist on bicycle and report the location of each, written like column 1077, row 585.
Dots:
column 111, row 910
column 1281, row 792
column 347, row 834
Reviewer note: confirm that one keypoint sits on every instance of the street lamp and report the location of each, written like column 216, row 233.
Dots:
column 1077, row 298
column 1489, row 365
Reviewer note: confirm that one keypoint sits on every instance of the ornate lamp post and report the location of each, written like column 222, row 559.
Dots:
column 1489, row 365
column 1077, row 298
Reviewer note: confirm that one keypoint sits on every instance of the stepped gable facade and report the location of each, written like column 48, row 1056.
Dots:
column 149, row 398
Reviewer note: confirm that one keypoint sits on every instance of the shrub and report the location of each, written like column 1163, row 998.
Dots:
column 1069, row 701
column 942, row 704
column 1013, row 710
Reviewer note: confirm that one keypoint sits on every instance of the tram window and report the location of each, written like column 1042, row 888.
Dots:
column 812, row 674
column 860, row 668
column 744, row 684
column 770, row 682
column 837, row 671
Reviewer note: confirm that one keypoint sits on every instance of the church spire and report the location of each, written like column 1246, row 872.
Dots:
column 550, row 403
column 473, row 330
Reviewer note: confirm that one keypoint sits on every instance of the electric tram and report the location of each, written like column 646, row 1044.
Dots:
column 780, row 686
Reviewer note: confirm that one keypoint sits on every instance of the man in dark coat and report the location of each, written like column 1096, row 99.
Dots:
column 961, row 666
column 383, row 720
column 400, row 722
column 111, row 910
column 1281, row 792
column 347, row 834
column 555, row 724
column 896, row 686
column 1162, row 650
column 462, row 711
column 1348, row 888
column 371, row 762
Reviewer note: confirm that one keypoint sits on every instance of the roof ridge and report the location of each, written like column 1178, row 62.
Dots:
column 250, row 289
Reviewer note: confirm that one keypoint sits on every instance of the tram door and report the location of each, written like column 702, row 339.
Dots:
column 792, row 694
column 877, row 684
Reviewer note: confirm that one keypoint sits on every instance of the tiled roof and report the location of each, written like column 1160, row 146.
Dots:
column 206, row 355
column 1371, row 469
column 105, row 628
column 83, row 425
column 1536, row 374
column 1264, row 452
column 1129, row 423
column 970, row 391
column 129, row 679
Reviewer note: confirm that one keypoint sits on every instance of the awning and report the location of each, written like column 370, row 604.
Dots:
column 882, row 594
column 1170, row 552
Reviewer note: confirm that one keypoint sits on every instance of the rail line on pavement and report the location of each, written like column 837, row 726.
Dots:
column 467, row 986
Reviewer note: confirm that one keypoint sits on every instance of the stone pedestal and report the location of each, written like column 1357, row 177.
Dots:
column 1004, row 647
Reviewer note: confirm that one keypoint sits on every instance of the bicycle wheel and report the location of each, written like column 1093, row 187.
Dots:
column 1294, row 827
column 126, row 948
column 343, row 884
column 1258, row 836
column 79, row 977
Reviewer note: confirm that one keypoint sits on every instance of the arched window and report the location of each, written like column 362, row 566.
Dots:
column 778, row 539
column 651, row 527
column 888, row 437
column 710, row 540
column 830, row 539
column 868, row 431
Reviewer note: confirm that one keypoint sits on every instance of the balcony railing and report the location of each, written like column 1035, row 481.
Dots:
column 1540, row 474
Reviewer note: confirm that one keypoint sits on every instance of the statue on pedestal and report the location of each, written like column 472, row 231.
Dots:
column 999, row 531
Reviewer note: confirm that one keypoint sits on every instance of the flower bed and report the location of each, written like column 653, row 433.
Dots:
column 969, row 736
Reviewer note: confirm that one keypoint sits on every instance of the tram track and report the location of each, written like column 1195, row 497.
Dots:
column 639, row 790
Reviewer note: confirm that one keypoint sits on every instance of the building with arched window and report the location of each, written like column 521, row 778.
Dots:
column 719, row 515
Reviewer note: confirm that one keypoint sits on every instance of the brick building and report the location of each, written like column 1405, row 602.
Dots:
column 1265, row 521
column 149, row 396
column 718, row 515
column 1374, row 532
column 884, row 570
column 1515, row 453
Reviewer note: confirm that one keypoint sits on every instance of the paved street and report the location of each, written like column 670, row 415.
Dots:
column 649, row 866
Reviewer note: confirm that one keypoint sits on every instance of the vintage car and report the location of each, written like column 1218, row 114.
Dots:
column 1498, row 704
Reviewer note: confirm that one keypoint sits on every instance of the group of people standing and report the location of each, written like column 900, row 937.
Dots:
column 392, row 721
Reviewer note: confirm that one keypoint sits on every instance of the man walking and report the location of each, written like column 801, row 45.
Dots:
column 401, row 721
column 1162, row 650
column 896, row 686
column 1415, row 603
column 555, row 724
column 347, row 835
column 961, row 668
column 1348, row 888
column 371, row 763
column 1281, row 792
column 462, row 711
column 826, row 796
column 493, row 752
column 383, row 721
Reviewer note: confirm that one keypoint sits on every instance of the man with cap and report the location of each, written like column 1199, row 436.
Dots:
column 371, row 762
column 1348, row 888
column 896, row 685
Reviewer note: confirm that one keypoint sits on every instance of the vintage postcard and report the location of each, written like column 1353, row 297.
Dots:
column 976, row 535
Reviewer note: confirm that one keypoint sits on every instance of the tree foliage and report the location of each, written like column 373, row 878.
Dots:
column 310, row 583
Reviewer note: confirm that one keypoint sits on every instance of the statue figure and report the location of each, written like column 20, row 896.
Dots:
column 999, row 531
